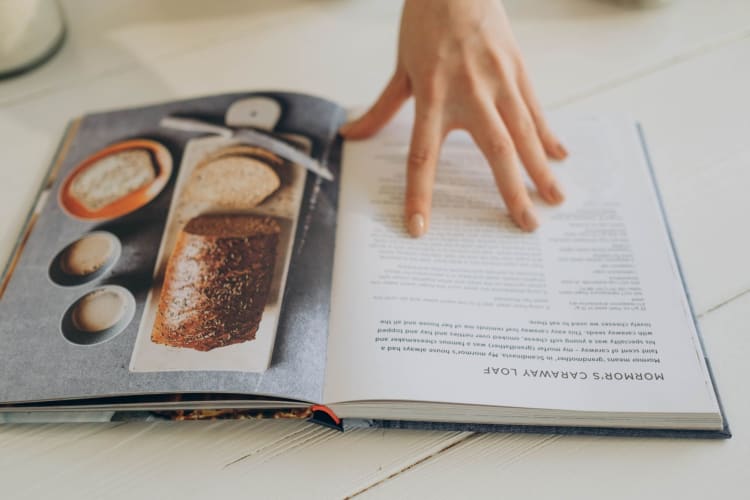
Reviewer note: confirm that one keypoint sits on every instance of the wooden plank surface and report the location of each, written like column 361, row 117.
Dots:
column 272, row 458
column 682, row 70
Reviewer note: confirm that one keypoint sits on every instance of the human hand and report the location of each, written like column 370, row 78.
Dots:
column 460, row 61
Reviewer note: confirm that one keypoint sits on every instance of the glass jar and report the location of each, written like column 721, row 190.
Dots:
column 31, row 31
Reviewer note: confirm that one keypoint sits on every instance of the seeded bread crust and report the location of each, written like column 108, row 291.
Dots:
column 217, row 282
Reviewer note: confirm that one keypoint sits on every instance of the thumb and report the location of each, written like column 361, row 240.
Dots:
column 390, row 101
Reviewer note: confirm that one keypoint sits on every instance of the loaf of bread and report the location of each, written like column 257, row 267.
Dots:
column 238, row 178
column 217, row 281
column 113, row 177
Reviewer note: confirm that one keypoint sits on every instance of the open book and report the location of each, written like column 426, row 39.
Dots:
column 230, row 255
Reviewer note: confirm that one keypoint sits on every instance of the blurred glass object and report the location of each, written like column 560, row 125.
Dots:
column 642, row 3
column 31, row 31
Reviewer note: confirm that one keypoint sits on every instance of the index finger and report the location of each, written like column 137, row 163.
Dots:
column 424, row 151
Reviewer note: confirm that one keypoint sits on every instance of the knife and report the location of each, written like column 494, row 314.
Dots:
column 253, row 138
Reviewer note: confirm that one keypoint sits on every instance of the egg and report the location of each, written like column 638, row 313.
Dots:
column 99, row 310
column 88, row 255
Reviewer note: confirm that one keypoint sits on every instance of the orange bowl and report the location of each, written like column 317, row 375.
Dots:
column 130, row 202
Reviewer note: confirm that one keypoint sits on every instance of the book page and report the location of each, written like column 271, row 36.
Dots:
column 587, row 313
column 171, row 257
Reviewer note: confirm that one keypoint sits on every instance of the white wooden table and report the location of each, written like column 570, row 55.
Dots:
column 683, row 70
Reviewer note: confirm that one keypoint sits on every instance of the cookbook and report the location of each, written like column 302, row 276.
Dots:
column 231, row 256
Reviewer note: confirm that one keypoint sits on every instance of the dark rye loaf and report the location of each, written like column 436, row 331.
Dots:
column 217, row 281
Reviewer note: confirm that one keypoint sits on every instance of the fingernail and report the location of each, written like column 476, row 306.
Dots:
column 555, row 194
column 560, row 151
column 529, row 222
column 415, row 225
column 345, row 128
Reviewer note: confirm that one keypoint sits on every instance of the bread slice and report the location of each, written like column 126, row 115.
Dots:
column 235, row 182
column 113, row 177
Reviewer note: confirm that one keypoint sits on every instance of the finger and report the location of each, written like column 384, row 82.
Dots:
column 552, row 145
column 527, row 143
column 395, row 93
column 424, row 151
column 493, row 138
